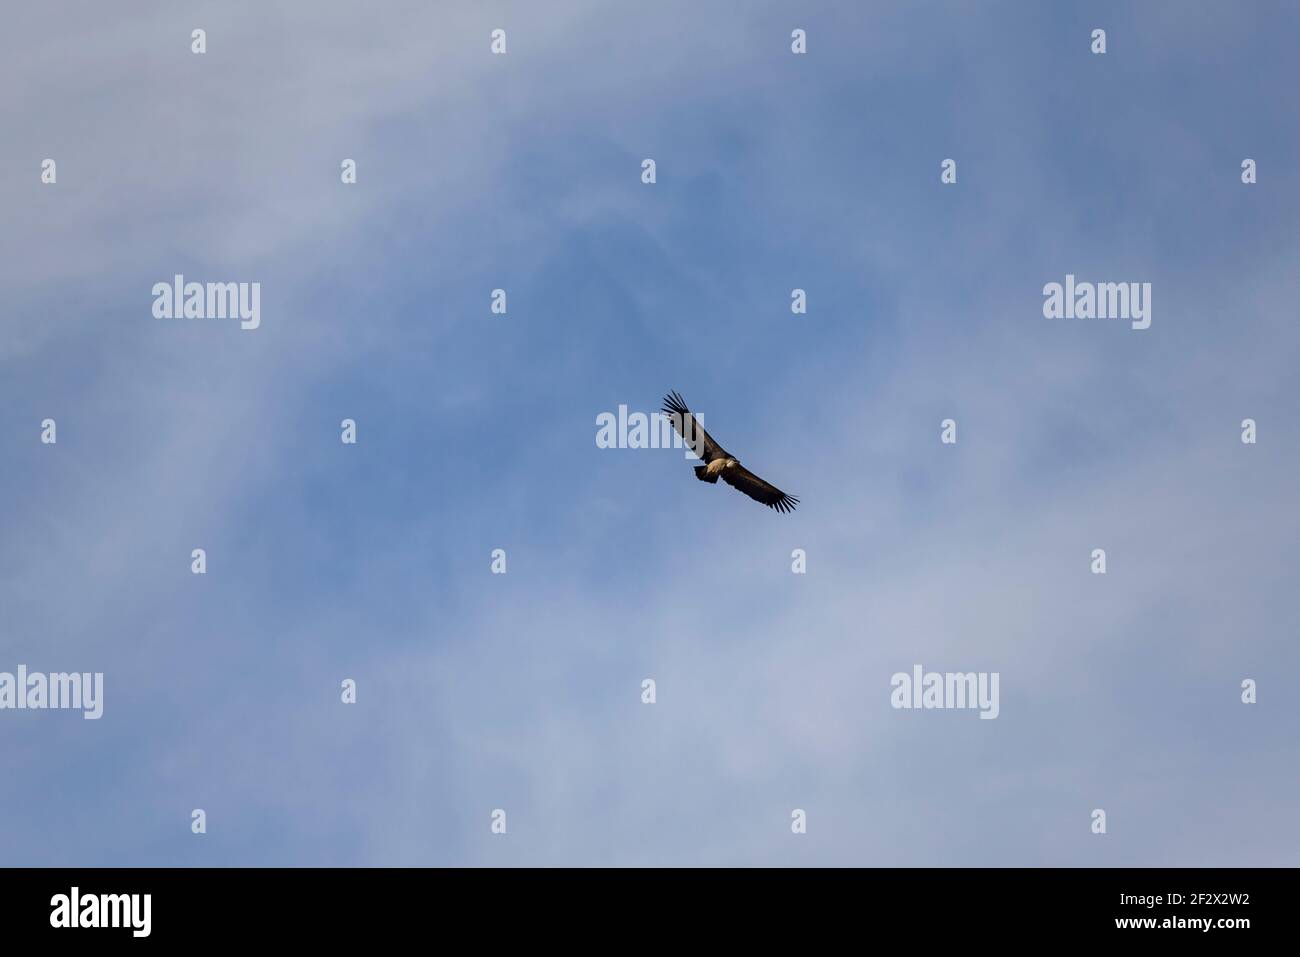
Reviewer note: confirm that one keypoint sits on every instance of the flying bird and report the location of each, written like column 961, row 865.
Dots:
column 718, row 462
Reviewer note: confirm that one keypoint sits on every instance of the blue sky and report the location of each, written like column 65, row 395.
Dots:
column 522, row 691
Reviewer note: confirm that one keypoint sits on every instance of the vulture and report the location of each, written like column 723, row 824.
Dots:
column 718, row 462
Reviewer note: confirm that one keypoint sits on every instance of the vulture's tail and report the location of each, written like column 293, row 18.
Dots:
column 702, row 473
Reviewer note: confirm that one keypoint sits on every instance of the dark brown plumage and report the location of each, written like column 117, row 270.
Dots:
column 719, row 463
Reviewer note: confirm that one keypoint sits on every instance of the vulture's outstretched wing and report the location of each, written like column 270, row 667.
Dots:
column 746, row 481
column 690, row 429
